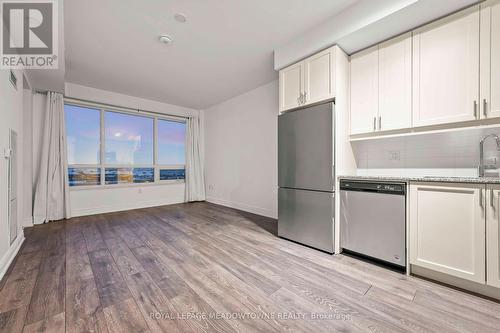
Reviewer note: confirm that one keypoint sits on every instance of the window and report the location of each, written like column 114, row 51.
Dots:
column 129, row 139
column 83, row 135
column 84, row 176
column 129, row 175
column 171, row 149
column 169, row 174
column 171, row 142
column 110, row 147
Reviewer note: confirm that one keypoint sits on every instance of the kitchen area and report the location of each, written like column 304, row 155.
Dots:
column 410, row 179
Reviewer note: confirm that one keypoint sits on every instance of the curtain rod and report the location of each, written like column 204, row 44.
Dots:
column 44, row 92
column 38, row 91
column 124, row 108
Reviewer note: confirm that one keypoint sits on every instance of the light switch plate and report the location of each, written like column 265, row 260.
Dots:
column 7, row 152
column 394, row 155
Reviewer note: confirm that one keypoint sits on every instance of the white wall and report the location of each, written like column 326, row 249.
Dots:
column 454, row 153
column 103, row 96
column 96, row 201
column 101, row 200
column 11, row 109
column 38, row 119
column 241, row 151
column 27, row 220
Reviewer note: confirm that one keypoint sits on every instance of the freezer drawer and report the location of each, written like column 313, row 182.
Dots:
column 305, row 148
column 306, row 217
column 374, row 224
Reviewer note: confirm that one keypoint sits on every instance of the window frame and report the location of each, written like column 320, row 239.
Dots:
column 102, row 155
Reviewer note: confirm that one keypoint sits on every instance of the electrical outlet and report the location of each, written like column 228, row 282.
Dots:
column 394, row 155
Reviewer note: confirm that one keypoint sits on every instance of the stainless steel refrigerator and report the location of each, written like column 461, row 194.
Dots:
column 306, row 176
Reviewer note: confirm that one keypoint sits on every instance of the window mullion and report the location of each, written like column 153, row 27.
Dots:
column 103, row 153
column 155, row 150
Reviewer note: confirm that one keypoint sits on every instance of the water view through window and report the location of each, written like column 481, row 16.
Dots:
column 129, row 175
column 171, row 174
column 84, row 176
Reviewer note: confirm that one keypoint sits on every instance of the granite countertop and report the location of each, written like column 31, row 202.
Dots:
column 438, row 179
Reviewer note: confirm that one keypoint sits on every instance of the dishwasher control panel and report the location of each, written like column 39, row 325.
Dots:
column 395, row 188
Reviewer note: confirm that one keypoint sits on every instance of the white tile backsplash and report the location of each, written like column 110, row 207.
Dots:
column 454, row 153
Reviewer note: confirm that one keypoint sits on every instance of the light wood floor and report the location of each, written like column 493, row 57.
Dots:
column 204, row 268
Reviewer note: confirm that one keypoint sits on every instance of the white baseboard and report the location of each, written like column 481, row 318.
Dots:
column 121, row 207
column 242, row 206
column 11, row 254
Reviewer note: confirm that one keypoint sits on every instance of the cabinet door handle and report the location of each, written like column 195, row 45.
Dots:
column 491, row 198
column 485, row 105
column 475, row 109
column 374, row 123
column 481, row 198
column 379, row 123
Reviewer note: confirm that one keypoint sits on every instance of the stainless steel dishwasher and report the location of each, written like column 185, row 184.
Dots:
column 373, row 220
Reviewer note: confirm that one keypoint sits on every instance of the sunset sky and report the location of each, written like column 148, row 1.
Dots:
column 128, row 138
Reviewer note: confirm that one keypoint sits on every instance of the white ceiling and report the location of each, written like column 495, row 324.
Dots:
column 224, row 49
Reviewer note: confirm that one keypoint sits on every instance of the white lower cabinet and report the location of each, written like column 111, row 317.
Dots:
column 493, row 236
column 447, row 229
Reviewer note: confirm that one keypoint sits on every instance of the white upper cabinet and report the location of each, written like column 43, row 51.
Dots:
column 291, row 86
column 309, row 81
column 446, row 70
column 490, row 59
column 319, row 74
column 381, row 87
column 447, row 229
column 394, row 77
column 364, row 91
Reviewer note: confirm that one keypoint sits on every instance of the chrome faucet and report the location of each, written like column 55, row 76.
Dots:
column 482, row 167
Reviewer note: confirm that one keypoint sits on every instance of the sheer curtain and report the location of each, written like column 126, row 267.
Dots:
column 51, row 200
column 195, row 179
